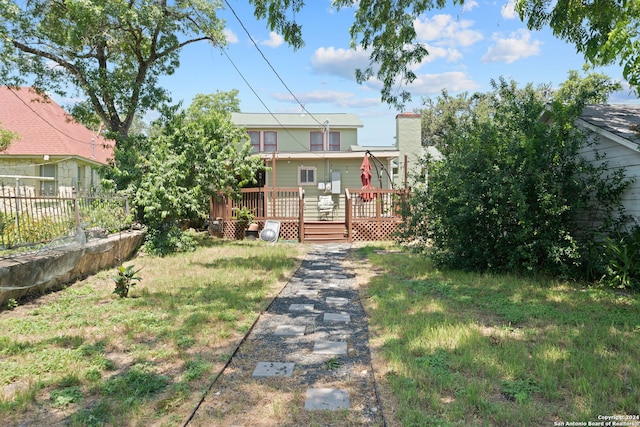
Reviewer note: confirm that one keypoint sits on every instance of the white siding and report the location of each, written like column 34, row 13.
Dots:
column 619, row 156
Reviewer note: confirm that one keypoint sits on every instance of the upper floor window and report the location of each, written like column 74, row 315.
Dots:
column 334, row 141
column 255, row 140
column 270, row 141
column 317, row 141
column 263, row 141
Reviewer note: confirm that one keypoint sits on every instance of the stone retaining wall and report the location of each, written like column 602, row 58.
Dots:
column 36, row 273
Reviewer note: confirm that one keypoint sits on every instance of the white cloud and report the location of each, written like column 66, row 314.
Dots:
column 508, row 10
column 230, row 36
column 469, row 6
column 431, row 84
column 449, row 54
column 444, row 30
column 517, row 46
column 336, row 98
column 339, row 62
column 274, row 40
column 52, row 65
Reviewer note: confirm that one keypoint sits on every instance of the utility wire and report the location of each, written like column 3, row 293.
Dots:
column 224, row 52
column 269, row 63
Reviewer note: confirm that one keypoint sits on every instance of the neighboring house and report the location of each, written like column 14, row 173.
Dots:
column 615, row 129
column 54, row 154
column 320, row 153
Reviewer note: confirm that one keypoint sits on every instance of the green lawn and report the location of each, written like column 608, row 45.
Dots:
column 83, row 356
column 452, row 348
column 469, row 349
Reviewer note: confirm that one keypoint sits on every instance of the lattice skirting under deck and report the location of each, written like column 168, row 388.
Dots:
column 288, row 230
column 373, row 231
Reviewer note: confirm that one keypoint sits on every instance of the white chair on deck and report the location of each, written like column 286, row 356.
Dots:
column 326, row 208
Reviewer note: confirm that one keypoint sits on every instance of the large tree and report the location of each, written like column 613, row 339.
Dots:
column 604, row 31
column 189, row 155
column 110, row 51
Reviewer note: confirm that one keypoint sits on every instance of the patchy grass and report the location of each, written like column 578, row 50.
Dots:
column 453, row 348
column 85, row 357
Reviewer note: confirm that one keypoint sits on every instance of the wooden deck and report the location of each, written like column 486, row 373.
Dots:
column 353, row 219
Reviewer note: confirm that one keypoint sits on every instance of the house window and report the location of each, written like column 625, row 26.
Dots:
column 317, row 141
column 306, row 175
column 334, row 141
column 48, row 187
column 81, row 184
column 255, row 141
column 264, row 141
column 270, row 142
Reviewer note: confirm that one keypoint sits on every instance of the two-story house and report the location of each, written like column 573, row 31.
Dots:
column 313, row 176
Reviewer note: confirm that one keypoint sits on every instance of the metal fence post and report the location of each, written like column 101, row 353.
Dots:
column 76, row 208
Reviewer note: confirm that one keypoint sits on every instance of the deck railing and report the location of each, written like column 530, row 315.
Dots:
column 372, row 214
column 374, row 219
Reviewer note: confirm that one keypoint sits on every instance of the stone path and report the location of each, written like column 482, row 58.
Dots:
column 307, row 357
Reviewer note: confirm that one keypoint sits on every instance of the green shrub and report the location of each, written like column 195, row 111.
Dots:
column 166, row 237
column 622, row 259
column 32, row 230
column 109, row 214
column 512, row 192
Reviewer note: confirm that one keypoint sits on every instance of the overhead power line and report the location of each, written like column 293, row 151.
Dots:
column 269, row 63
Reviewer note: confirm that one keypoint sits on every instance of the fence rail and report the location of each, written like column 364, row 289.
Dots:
column 27, row 219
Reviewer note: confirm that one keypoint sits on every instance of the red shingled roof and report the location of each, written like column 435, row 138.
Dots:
column 46, row 129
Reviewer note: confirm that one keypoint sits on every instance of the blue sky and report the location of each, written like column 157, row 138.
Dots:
column 468, row 47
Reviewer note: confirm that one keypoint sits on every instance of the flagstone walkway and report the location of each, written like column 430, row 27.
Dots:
column 307, row 358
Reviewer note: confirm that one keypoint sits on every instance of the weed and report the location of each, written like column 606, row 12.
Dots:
column 622, row 255
column 137, row 383
column 12, row 303
column 332, row 363
column 93, row 375
column 184, row 342
column 519, row 390
column 61, row 398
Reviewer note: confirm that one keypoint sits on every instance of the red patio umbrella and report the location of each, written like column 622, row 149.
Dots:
column 365, row 176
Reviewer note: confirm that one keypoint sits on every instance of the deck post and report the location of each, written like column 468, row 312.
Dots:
column 348, row 214
column 301, row 214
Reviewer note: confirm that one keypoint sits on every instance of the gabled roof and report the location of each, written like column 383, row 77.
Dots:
column 620, row 121
column 292, row 120
column 44, row 128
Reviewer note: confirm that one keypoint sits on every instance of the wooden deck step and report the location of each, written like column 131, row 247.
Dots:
column 324, row 232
